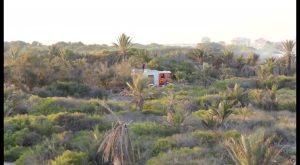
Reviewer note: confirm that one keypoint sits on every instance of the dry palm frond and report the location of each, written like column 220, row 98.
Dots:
column 116, row 146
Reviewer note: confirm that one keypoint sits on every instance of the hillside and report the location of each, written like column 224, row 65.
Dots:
column 71, row 103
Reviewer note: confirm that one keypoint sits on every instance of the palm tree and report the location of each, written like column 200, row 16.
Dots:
column 252, row 59
column 137, row 90
column 237, row 95
column 123, row 44
column 13, row 55
column 227, row 56
column 270, row 64
column 140, row 56
column 240, row 62
column 216, row 116
column 54, row 50
column 280, row 65
column 78, row 67
column 270, row 99
column 198, row 55
column 176, row 115
column 223, row 111
column 288, row 46
column 253, row 149
column 205, row 73
column 262, row 72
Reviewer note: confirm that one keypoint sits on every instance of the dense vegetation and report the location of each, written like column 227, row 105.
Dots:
column 71, row 103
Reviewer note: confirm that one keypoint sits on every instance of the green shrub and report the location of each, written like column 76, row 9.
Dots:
column 181, row 156
column 286, row 99
column 232, row 133
column 200, row 113
column 70, row 158
column 13, row 153
column 27, row 158
column 220, row 84
column 287, row 105
column 15, row 101
column 184, row 93
column 282, row 99
column 45, row 106
column 42, row 92
column 265, row 99
column 247, row 83
column 286, row 81
column 198, row 90
column 38, row 124
column 285, row 135
column 77, row 121
column 157, row 107
column 267, row 82
column 208, row 120
column 68, row 89
column 210, row 100
column 98, row 93
column 162, row 145
column 143, row 145
column 15, row 138
column 42, row 126
column 87, row 141
column 244, row 112
column 204, row 137
column 18, row 122
column 51, row 147
column 150, row 128
column 31, row 139
column 52, row 105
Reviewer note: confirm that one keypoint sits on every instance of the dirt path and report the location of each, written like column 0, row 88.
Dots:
column 135, row 117
column 9, row 163
column 117, row 97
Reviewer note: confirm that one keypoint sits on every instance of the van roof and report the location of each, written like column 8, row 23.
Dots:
column 148, row 70
column 165, row 71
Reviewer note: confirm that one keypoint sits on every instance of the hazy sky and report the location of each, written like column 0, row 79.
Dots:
column 148, row 21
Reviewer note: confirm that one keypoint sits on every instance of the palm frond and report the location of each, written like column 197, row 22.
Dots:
column 116, row 146
column 252, row 149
